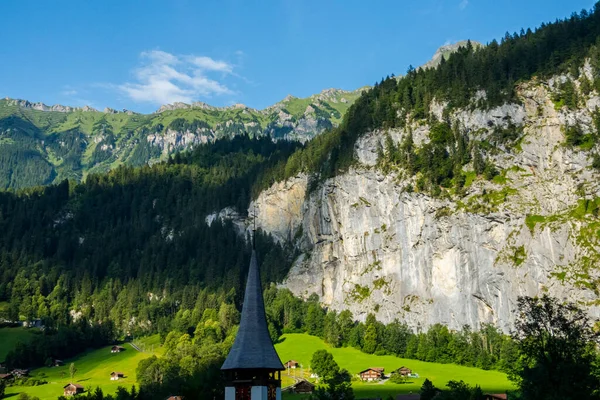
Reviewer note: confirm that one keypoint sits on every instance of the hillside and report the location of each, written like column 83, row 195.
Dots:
column 440, row 198
column 300, row 347
column 42, row 144
column 445, row 195
column 93, row 370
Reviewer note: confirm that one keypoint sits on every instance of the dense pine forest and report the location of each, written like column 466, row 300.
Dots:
column 117, row 237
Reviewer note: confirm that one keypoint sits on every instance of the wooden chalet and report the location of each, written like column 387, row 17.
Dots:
column 115, row 376
column 302, row 386
column 404, row 371
column 72, row 389
column 499, row 396
column 292, row 364
column 20, row 373
column 6, row 377
column 116, row 349
column 371, row 374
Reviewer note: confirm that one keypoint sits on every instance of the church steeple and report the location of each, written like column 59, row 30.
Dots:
column 252, row 365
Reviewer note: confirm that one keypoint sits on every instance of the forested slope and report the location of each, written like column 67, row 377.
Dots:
column 42, row 144
column 135, row 242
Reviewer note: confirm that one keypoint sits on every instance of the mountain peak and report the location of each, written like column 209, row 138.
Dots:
column 43, row 107
column 445, row 50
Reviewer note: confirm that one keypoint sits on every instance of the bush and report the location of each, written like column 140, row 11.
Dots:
column 398, row 378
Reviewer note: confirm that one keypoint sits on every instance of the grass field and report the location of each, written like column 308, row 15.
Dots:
column 9, row 337
column 300, row 347
column 93, row 369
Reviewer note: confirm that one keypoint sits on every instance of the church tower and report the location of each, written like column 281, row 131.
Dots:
column 253, row 368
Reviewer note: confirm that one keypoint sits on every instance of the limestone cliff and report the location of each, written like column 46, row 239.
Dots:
column 370, row 244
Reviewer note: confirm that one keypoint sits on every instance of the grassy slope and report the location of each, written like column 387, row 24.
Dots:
column 93, row 369
column 300, row 347
column 9, row 338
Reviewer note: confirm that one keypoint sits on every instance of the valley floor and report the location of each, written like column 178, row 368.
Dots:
column 93, row 370
column 300, row 347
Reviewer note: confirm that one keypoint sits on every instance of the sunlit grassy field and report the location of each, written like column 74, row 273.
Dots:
column 93, row 370
column 300, row 347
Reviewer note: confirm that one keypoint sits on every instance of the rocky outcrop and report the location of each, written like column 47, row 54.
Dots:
column 43, row 107
column 369, row 245
column 445, row 51
column 173, row 140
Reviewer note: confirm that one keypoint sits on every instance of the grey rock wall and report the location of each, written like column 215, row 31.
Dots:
column 368, row 245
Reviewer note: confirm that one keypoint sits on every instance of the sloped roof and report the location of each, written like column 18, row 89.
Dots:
column 78, row 386
column 376, row 369
column 253, row 348
column 303, row 382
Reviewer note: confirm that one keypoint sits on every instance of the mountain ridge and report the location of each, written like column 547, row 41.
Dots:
column 42, row 144
column 330, row 94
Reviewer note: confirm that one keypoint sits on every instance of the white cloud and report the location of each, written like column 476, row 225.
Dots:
column 69, row 92
column 167, row 78
column 209, row 64
column 463, row 4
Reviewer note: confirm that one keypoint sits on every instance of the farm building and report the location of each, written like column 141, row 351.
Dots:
column 57, row 363
column 371, row 374
column 404, row 371
column 115, row 376
column 302, row 386
column 116, row 349
column 20, row 373
column 292, row 364
column 6, row 377
column 175, row 398
column 72, row 389
column 500, row 396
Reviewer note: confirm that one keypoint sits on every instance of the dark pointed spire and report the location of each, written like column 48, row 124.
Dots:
column 253, row 348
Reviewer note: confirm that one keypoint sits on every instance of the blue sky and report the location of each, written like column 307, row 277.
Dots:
column 140, row 54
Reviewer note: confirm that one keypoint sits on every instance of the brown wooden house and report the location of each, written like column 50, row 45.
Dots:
column 404, row 371
column 292, row 364
column 115, row 376
column 20, row 373
column 371, row 374
column 72, row 389
column 6, row 377
column 302, row 386
column 116, row 349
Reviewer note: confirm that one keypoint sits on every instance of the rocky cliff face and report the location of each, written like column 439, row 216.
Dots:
column 370, row 245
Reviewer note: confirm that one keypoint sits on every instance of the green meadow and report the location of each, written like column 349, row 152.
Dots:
column 300, row 347
column 93, row 370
